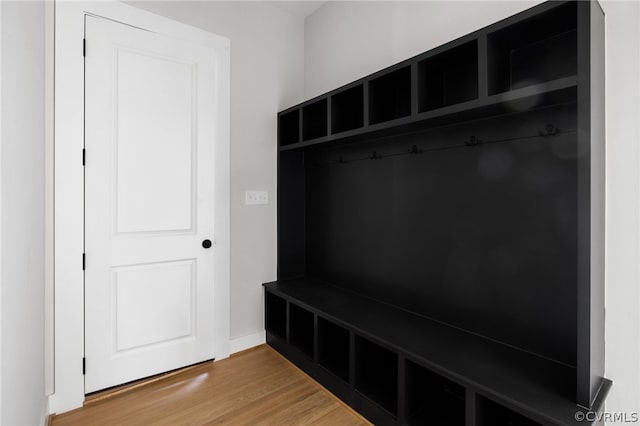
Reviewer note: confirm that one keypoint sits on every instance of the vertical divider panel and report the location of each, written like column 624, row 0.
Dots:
column 300, row 122
column 483, row 67
column 352, row 359
column 402, row 388
column 329, row 120
column 414, row 88
column 470, row 408
column 288, row 322
column 315, row 338
column 291, row 200
column 365, row 103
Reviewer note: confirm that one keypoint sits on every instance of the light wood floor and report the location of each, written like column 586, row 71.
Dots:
column 256, row 387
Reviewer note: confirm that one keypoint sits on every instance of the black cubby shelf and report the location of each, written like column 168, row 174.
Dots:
column 289, row 128
column 535, row 96
column 276, row 315
column 448, row 78
column 490, row 413
column 333, row 348
column 433, row 399
column 443, row 364
column 376, row 374
column 539, row 49
column 347, row 109
column 314, row 120
column 459, row 277
column 301, row 328
column 390, row 95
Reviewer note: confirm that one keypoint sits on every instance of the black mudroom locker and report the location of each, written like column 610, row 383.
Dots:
column 441, row 230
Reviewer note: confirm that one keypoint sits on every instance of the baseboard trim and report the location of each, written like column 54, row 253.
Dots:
column 249, row 341
column 44, row 413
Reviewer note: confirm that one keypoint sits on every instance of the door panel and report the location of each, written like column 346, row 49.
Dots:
column 149, row 194
column 158, row 196
column 168, row 316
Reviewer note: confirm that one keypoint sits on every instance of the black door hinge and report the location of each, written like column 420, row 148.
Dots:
column 84, row 366
column 83, row 261
column 84, row 47
column 84, row 156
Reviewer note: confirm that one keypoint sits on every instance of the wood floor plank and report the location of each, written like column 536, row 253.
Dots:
column 256, row 387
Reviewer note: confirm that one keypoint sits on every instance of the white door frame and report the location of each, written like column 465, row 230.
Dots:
column 69, row 185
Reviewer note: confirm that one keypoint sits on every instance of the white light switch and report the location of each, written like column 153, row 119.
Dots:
column 256, row 197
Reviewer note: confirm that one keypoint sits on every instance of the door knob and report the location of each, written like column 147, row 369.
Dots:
column 206, row 243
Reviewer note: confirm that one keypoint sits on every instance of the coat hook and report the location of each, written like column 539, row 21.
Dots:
column 549, row 130
column 473, row 141
column 414, row 150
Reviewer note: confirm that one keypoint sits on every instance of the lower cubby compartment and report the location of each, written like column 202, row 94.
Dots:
column 333, row 348
column 396, row 368
column 432, row 399
column 276, row 315
column 376, row 374
column 301, row 329
column 490, row 413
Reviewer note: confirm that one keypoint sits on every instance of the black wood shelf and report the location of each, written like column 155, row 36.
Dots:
column 516, row 381
column 448, row 78
column 465, row 285
column 347, row 109
column 376, row 374
column 531, row 97
column 390, row 96
column 433, row 399
column 301, row 329
column 314, row 120
column 488, row 413
column 541, row 48
column 276, row 315
column 333, row 348
column 289, row 128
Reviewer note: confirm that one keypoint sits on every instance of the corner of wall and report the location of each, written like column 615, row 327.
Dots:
column 44, row 413
column 1, row 139
column 243, row 343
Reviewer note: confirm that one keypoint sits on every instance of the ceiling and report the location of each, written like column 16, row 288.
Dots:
column 301, row 9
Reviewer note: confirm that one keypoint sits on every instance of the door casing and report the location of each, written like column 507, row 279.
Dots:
column 68, row 188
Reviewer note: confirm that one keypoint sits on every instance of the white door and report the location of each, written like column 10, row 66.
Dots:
column 149, row 191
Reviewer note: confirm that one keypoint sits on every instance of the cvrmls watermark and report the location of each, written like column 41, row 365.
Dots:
column 609, row 417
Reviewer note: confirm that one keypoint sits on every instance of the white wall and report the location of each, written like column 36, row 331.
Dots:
column 344, row 41
column 622, row 356
column 266, row 75
column 348, row 40
column 22, row 213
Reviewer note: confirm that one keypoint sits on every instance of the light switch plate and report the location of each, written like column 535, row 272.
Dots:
column 256, row 197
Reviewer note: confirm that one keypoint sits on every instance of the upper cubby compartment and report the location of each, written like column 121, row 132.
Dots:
column 536, row 50
column 347, row 109
column 289, row 127
column 448, row 78
column 314, row 120
column 390, row 96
